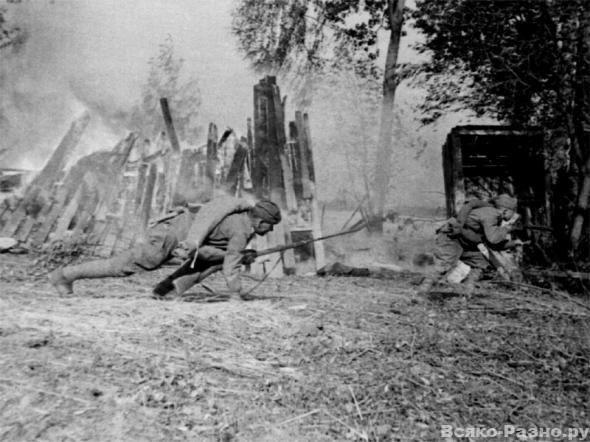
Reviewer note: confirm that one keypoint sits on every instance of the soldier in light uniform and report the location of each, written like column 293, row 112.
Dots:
column 222, row 247
column 225, row 233
column 458, row 239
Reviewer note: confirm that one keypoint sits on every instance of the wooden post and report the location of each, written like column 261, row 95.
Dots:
column 294, row 154
column 457, row 173
column 303, row 151
column 54, row 166
column 211, row 160
column 319, row 252
column 169, row 124
column 267, row 169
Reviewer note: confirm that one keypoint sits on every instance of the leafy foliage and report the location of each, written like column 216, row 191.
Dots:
column 306, row 39
column 184, row 96
column 9, row 34
column 509, row 58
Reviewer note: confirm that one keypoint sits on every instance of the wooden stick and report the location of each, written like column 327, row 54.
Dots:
column 301, row 416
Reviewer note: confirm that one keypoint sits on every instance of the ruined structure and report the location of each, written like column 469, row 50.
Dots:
column 106, row 199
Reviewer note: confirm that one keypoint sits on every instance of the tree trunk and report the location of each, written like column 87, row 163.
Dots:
column 385, row 148
column 582, row 115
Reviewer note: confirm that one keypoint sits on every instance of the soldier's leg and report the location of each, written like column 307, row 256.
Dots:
column 478, row 263
column 143, row 256
column 208, row 261
column 447, row 252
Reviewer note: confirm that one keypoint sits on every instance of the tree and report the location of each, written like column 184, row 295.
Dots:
column 525, row 62
column 184, row 96
column 9, row 34
column 306, row 39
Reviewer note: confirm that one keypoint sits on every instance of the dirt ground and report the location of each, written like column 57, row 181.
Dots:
column 310, row 359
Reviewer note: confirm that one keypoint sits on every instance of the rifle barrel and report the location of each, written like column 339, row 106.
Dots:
column 304, row 242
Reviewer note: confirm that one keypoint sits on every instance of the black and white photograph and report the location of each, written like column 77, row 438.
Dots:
column 294, row 220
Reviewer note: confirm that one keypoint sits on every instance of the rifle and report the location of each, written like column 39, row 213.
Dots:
column 185, row 282
column 357, row 227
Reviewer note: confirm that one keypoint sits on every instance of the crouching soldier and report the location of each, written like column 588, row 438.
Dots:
column 478, row 222
column 162, row 239
column 222, row 249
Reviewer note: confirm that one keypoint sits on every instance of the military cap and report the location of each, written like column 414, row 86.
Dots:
column 505, row 201
column 267, row 211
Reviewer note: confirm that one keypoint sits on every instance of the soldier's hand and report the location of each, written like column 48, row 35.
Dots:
column 249, row 256
column 184, row 250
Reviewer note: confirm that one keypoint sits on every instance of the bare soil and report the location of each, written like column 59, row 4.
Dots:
column 310, row 359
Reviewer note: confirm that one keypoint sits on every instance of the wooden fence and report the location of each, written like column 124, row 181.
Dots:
column 106, row 200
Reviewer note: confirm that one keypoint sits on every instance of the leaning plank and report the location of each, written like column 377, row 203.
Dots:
column 18, row 217
column 57, row 207
column 169, row 125
column 54, row 166
column 70, row 211
column 235, row 169
column 148, row 196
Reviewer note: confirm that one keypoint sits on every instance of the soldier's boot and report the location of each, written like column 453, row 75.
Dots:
column 63, row 278
column 166, row 285
column 470, row 282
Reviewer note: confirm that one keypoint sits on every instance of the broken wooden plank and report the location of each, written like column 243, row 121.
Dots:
column 303, row 151
column 210, row 169
column 57, row 206
column 58, row 159
column 15, row 220
column 148, row 197
column 235, row 170
column 69, row 212
column 169, row 125
column 141, row 179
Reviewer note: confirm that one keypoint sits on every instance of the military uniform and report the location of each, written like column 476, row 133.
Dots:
column 220, row 231
column 162, row 237
column 221, row 249
column 483, row 225
column 478, row 222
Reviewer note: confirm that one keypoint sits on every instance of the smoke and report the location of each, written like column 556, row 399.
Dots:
column 93, row 55
column 40, row 82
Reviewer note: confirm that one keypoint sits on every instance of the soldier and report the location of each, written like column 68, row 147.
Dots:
column 163, row 238
column 478, row 222
column 222, row 250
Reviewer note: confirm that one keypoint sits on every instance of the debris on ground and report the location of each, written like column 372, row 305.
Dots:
column 320, row 359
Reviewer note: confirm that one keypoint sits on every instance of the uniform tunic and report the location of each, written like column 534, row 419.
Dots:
column 224, row 245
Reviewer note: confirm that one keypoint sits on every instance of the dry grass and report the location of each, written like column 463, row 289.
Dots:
column 312, row 360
